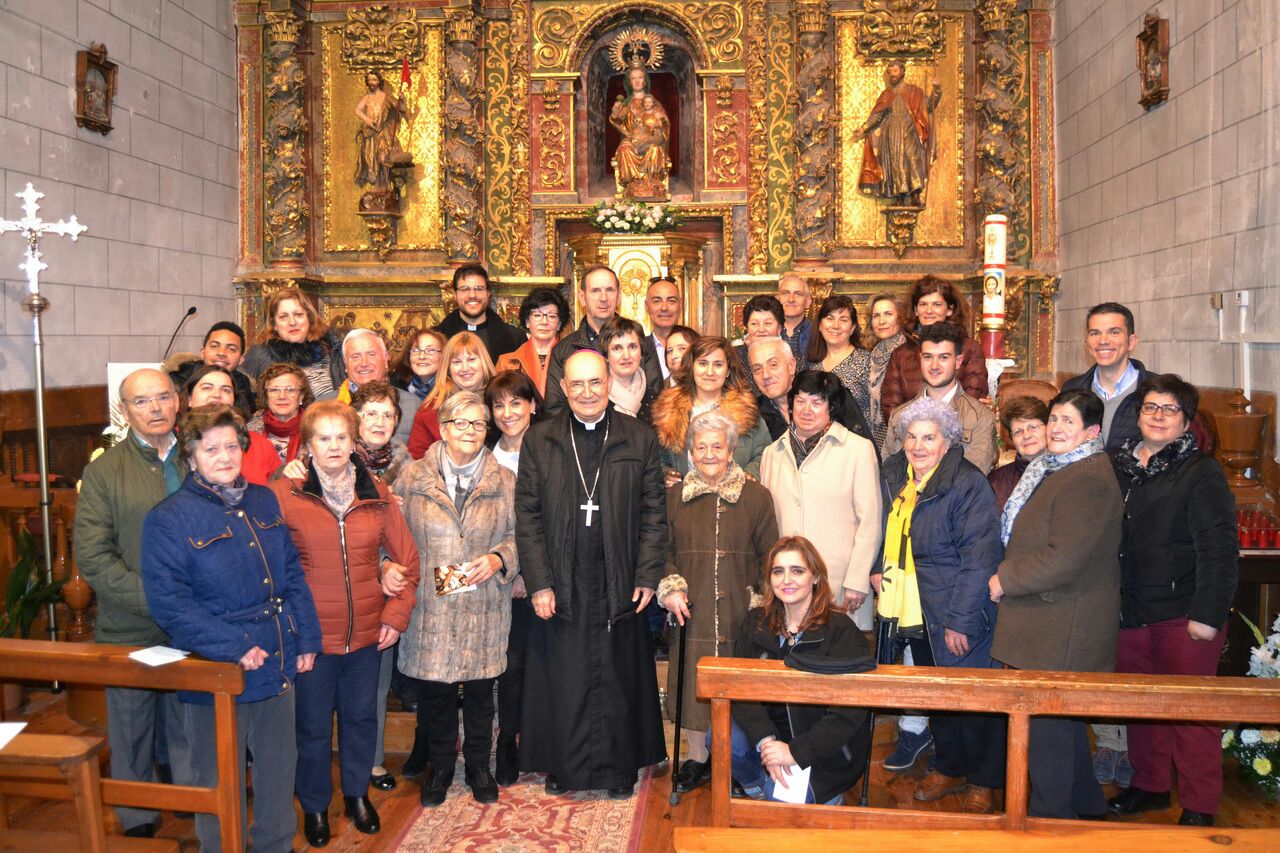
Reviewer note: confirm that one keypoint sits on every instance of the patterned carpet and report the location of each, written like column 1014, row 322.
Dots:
column 525, row 819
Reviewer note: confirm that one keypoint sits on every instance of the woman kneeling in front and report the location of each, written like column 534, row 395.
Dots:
column 770, row 740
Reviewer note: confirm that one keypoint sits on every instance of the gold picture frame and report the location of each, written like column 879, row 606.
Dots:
column 96, row 78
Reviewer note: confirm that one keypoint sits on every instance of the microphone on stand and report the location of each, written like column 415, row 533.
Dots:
column 174, row 336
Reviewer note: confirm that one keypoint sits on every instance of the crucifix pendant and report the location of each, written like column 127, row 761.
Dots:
column 590, row 507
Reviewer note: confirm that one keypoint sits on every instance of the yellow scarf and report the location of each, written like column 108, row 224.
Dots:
column 900, row 588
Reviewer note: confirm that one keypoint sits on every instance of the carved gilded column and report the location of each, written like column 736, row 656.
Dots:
column 506, row 143
column 464, row 136
column 1002, row 118
column 285, row 142
column 757, row 122
column 813, row 187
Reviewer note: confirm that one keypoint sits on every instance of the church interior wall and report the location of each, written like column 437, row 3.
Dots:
column 158, row 193
column 1162, row 209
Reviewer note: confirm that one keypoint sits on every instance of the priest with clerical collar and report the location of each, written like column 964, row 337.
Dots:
column 591, row 530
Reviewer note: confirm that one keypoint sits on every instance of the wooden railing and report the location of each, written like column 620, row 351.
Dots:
column 110, row 666
column 1020, row 694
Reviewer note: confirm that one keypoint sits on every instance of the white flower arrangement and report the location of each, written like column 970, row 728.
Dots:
column 1258, row 750
column 615, row 217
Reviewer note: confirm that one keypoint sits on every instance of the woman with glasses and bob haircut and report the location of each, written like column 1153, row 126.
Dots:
column 544, row 313
column 1178, row 565
column 460, row 505
column 798, row 614
column 283, row 392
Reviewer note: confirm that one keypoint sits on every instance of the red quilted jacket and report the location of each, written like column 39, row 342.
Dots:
column 903, row 380
column 346, row 581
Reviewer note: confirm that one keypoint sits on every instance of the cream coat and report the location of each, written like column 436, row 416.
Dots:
column 834, row 501
column 460, row 637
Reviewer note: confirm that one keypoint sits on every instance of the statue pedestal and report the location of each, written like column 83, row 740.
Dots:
column 636, row 258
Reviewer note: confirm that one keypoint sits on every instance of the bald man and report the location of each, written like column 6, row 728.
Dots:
column 119, row 488
column 591, row 529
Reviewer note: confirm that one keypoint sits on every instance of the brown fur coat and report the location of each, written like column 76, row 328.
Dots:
column 672, row 409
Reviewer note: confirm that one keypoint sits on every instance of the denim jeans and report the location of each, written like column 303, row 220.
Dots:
column 744, row 764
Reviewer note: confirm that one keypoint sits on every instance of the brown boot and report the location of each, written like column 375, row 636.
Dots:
column 935, row 786
column 977, row 800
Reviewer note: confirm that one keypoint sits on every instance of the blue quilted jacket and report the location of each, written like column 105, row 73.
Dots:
column 221, row 580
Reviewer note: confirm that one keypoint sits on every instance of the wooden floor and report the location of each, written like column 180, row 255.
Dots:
column 1241, row 806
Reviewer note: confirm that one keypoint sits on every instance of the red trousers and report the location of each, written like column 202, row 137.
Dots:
column 1156, row 748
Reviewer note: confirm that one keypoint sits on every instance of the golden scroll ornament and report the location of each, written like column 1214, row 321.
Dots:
column 378, row 37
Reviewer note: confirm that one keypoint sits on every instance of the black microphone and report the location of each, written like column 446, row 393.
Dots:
column 174, row 336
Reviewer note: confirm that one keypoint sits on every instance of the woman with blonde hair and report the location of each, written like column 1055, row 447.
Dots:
column 467, row 367
column 293, row 332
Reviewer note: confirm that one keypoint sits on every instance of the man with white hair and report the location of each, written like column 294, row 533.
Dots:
column 591, row 530
column 365, row 354
column 119, row 488
column 773, row 368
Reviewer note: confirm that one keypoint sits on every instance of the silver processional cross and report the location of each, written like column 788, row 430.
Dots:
column 32, row 228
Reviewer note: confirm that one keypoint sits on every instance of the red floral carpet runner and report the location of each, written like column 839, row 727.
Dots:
column 525, row 818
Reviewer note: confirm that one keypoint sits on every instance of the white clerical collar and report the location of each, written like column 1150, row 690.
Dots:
column 593, row 424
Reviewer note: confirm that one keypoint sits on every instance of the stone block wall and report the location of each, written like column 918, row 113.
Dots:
column 1161, row 209
column 158, row 193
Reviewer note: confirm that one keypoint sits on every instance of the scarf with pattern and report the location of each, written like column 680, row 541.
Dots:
column 231, row 495
column 339, row 491
column 1039, row 468
column 1170, row 456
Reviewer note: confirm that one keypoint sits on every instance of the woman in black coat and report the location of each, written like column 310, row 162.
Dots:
column 1178, row 565
column 798, row 615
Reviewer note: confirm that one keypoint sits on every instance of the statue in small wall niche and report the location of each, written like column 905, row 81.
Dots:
column 899, row 140
column 378, row 149
column 641, row 161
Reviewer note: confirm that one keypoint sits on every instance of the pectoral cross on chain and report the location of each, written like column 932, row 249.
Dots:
column 589, row 507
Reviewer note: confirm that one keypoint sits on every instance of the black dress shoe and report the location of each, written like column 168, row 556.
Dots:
column 1136, row 801
column 692, row 774
column 483, row 786
column 142, row 830
column 622, row 792
column 507, row 760
column 383, row 781
column 553, row 787
column 1190, row 818
column 436, row 787
column 416, row 764
column 362, row 814
column 315, row 826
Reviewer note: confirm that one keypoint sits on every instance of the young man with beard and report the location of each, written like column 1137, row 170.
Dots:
column 474, row 314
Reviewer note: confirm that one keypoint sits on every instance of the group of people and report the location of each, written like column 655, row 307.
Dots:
column 500, row 511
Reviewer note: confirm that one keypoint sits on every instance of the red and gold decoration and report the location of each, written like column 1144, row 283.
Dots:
column 770, row 126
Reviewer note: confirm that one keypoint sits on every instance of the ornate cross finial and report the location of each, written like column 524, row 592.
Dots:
column 32, row 227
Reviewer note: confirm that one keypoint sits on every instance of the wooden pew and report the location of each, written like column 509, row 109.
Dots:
column 110, row 666
column 1020, row 694
column 1167, row 839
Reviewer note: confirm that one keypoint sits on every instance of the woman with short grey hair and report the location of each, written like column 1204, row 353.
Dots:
column 935, row 411
column 722, row 526
column 941, row 545
column 460, row 505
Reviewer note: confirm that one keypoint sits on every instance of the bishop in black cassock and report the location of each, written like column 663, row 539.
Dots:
column 591, row 530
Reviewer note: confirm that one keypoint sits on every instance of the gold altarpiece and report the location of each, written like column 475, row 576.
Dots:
column 506, row 151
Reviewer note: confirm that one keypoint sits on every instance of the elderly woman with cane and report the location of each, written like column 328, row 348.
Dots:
column 722, row 526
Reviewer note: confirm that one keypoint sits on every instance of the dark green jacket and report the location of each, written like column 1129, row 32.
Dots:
column 119, row 488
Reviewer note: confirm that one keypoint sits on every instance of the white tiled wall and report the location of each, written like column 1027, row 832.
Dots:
column 1160, row 209
column 158, row 193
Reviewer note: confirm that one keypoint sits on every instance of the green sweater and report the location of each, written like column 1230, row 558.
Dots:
column 119, row 488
